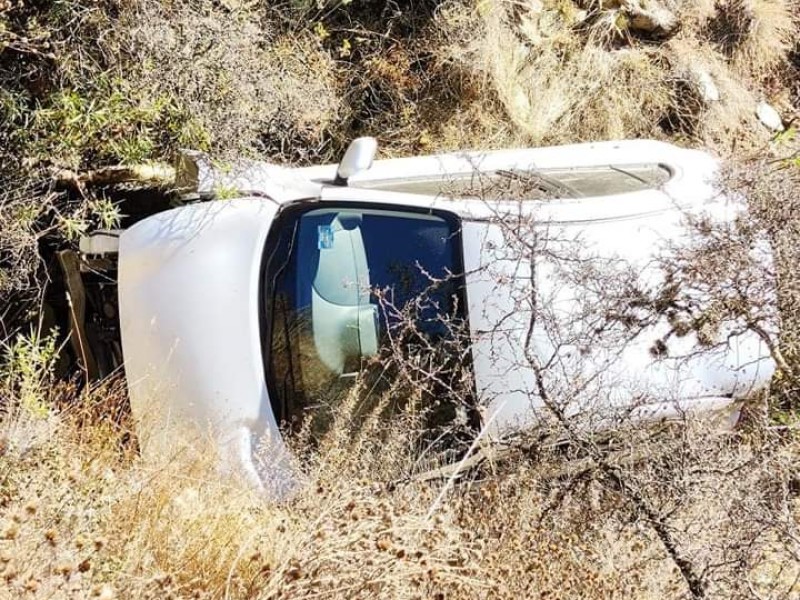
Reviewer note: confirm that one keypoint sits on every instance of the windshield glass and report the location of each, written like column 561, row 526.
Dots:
column 534, row 184
column 339, row 281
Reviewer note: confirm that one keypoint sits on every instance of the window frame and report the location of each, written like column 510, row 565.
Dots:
column 290, row 214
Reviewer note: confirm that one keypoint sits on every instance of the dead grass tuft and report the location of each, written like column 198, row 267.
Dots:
column 554, row 87
column 565, row 72
column 89, row 518
column 757, row 35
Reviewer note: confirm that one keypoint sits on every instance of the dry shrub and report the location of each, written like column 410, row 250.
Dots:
column 556, row 87
column 131, row 82
column 18, row 251
column 757, row 35
column 247, row 85
column 727, row 124
column 638, row 511
column 81, row 518
column 770, row 183
column 397, row 87
column 592, row 532
column 562, row 74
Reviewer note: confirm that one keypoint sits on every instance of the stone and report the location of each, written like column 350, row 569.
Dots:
column 769, row 117
column 705, row 85
column 652, row 19
column 656, row 20
column 648, row 18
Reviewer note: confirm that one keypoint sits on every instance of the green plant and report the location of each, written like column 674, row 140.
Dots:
column 27, row 370
column 109, row 121
column 225, row 192
column 106, row 212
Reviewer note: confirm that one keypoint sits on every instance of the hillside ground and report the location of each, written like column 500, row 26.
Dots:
column 87, row 84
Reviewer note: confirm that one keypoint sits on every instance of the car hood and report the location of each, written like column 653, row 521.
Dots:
column 189, row 282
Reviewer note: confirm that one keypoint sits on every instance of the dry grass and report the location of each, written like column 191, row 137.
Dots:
column 82, row 516
column 563, row 74
column 756, row 35
column 87, row 516
column 635, row 513
column 296, row 82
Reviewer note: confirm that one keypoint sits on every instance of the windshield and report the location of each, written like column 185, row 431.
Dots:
column 533, row 184
column 337, row 283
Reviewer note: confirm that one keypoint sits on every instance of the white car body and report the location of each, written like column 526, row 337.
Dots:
column 190, row 299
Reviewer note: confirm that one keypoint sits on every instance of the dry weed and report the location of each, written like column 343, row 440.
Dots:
column 80, row 515
column 757, row 35
column 83, row 517
column 562, row 74
column 770, row 184
column 246, row 85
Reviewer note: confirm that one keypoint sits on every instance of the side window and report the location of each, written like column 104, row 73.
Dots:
column 344, row 280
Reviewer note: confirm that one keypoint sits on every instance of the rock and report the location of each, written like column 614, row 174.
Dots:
column 769, row 117
column 651, row 18
column 529, row 28
column 705, row 85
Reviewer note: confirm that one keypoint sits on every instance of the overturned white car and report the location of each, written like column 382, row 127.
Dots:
column 240, row 315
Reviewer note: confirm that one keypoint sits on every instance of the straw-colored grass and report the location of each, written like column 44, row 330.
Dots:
column 561, row 74
column 83, row 516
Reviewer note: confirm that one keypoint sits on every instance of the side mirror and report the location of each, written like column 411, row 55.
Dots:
column 359, row 156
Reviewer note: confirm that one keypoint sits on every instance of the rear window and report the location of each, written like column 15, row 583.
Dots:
column 575, row 182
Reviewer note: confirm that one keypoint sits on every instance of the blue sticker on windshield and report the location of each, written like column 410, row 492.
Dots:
column 324, row 237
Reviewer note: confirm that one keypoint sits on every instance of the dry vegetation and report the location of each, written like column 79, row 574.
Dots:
column 88, row 84
column 83, row 517
column 84, row 85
